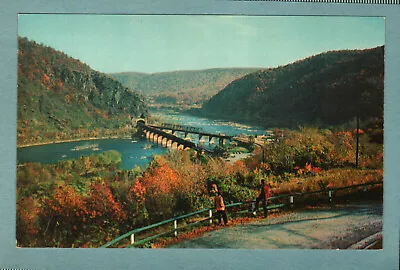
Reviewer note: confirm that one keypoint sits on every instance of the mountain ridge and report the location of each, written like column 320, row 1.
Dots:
column 183, row 87
column 60, row 97
column 314, row 91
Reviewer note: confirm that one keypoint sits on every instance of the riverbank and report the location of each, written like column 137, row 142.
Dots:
column 196, row 112
column 236, row 157
column 73, row 140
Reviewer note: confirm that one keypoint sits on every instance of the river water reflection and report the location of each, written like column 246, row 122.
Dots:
column 134, row 152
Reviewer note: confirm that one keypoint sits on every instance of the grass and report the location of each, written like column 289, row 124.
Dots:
column 333, row 178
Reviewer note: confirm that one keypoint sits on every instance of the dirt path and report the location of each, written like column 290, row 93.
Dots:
column 317, row 228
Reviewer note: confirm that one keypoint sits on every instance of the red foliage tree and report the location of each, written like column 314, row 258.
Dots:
column 27, row 218
column 102, row 206
column 63, row 215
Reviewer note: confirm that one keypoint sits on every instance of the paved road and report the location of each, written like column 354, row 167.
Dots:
column 318, row 228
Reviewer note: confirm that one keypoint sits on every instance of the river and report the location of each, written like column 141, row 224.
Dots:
column 134, row 152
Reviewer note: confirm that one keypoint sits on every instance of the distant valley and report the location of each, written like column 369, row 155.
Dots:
column 181, row 89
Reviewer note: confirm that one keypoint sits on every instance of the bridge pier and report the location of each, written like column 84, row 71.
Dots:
column 166, row 142
column 162, row 141
column 166, row 137
column 159, row 139
column 170, row 143
column 221, row 142
column 156, row 138
column 211, row 140
column 188, row 137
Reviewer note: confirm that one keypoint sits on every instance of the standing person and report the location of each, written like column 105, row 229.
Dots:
column 214, row 190
column 220, row 207
column 263, row 196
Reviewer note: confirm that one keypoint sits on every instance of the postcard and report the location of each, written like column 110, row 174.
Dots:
column 200, row 131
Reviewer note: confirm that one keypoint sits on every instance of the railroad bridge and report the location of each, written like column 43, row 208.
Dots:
column 160, row 135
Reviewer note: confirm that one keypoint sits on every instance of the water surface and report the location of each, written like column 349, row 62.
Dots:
column 134, row 152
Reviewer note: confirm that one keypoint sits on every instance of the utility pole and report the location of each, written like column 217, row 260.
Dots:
column 262, row 148
column 357, row 137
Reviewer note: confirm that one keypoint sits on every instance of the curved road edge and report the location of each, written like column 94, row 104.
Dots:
column 368, row 242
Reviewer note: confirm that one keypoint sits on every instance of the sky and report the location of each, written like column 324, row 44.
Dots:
column 160, row 43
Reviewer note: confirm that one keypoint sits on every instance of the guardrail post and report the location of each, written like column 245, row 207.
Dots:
column 330, row 195
column 175, row 227
column 132, row 238
column 291, row 201
column 210, row 215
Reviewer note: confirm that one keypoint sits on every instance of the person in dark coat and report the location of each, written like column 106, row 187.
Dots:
column 220, row 207
column 264, row 194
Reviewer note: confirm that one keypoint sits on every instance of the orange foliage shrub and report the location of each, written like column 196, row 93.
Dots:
column 137, row 192
column 101, row 202
column 45, row 79
column 360, row 131
column 333, row 178
column 67, row 216
column 237, row 167
column 27, row 215
column 65, row 202
column 160, row 179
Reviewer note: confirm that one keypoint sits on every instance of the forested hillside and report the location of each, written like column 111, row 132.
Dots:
column 322, row 90
column 60, row 97
column 182, row 87
column 129, row 79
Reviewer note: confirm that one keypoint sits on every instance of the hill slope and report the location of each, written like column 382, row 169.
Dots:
column 326, row 89
column 61, row 98
column 182, row 87
column 129, row 79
